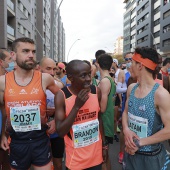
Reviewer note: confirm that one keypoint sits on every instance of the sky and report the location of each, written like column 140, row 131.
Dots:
column 91, row 25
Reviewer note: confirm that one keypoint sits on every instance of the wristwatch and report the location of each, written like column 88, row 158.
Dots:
column 136, row 141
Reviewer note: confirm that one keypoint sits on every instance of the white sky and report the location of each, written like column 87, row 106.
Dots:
column 97, row 23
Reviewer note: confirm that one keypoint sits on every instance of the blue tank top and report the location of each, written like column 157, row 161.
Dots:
column 145, row 108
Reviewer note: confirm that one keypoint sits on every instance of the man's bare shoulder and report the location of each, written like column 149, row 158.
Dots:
column 2, row 82
column 161, row 94
column 131, row 87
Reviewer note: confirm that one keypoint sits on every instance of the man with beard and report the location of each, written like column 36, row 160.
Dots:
column 47, row 65
column 78, row 119
column 23, row 100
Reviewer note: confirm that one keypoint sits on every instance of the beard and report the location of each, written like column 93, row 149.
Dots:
column 26, row 66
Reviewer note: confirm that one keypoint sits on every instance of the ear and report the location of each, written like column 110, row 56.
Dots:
column 140, row 66
column 13, row 55
column 70, row 77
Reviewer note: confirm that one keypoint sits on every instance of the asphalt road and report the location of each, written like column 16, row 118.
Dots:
column 113, row 154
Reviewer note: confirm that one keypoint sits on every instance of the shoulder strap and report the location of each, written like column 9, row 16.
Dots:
column 93, row 89
column 66, row 92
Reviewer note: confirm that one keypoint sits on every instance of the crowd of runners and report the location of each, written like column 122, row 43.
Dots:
column 49, row 108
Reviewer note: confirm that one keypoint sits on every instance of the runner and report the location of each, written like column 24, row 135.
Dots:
column 6, row 65
column 47, row 65
column 79, row 121
column 108, row 90
column 22, row 94
column 146, row 116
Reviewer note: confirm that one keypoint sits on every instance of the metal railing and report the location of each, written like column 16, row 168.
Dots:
column 10, row 30
column 10, row 4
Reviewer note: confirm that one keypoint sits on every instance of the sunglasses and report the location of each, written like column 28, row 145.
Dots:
column 126, row 59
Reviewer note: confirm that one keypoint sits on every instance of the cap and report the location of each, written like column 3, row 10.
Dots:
column 115, row 61
column 61, row 65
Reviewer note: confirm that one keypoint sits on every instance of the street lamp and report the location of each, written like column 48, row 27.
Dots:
column 26, row 19
column 108, row 49
column 71, row 48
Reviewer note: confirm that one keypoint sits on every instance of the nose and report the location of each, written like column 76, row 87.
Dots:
column 88, row 77
column 52, row 72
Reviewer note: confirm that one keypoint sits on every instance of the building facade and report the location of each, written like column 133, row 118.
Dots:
column 147, row 23
column 118, row 46
column 33, row 19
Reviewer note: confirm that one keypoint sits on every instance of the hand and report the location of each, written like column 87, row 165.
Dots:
column 81, row 98
column 4, row 143
column 50, row 111
column 51, row 126
column 129, row 135
column 131, row 151
column 105, row 155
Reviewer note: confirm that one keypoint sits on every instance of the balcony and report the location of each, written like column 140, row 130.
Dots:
column 10, row 30
column 11, row 33
column 10, row 4
column 11, row 8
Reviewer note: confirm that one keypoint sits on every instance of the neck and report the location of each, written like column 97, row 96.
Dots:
column 104, row 73
column 164, row 69
column 23, row 73
column 145, row 80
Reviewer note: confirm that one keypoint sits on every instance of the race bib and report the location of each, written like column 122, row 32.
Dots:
column 85, row 134
column 25, row 118
column 138, row 125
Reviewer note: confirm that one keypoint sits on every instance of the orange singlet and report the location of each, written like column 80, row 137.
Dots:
column 83, row 143
column 25, row 107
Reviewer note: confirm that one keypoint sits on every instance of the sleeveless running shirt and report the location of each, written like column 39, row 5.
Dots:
column 108, row 115
column 25, row 107
column 143, row 118
column 83, row 143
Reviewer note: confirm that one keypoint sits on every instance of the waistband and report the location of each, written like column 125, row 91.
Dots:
column 29, row 140
column 150, row 153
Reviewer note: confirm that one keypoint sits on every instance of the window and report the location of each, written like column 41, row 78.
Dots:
column 142, row 39
column 156, row 22
column 166, row 43
column 156, row 10
column 156, row 34
column 166, row 28
column 166, row 14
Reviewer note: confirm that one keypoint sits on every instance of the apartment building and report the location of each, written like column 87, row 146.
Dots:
column 147, row 23
column 118, row 46
column 29, row 18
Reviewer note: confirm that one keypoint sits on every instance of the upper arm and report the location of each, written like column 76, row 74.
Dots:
column 50, row 83
column 105, row 90
column 59, row 102
column 121, row 76
column 2, row 88
column 162, row 101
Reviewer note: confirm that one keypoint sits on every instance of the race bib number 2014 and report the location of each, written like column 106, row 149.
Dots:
column 25, row 118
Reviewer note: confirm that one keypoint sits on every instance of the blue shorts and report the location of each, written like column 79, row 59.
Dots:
column 24, row 153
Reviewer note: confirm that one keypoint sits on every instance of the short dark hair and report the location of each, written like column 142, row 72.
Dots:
column 98, row 53
column 151, row 54
column 166, row 61
column 22, row 39
column 127, row 53
column 105, row 61
column 2, row 54
column 73, row 65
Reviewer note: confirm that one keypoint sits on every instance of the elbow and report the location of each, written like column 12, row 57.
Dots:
column 60, row 134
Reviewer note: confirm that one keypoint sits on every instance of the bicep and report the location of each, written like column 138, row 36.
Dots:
column 59, row 106
column 164, row 107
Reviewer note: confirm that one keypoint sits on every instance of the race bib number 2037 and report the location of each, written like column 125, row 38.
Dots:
column 25, row 118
